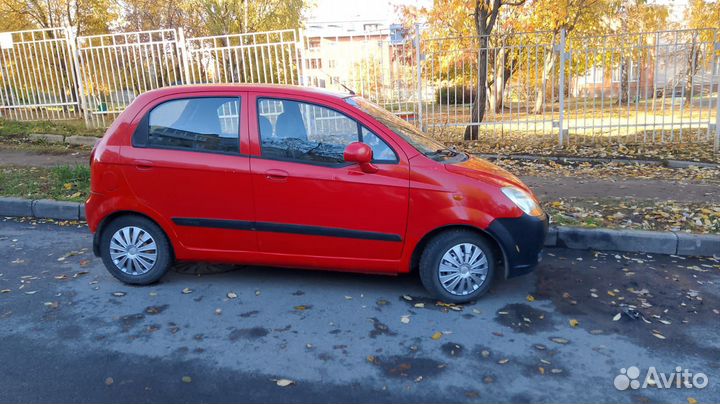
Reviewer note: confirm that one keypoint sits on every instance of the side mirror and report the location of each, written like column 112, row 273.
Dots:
column 362, row 154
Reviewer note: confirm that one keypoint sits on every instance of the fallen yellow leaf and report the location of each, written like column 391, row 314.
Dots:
column 437, row 335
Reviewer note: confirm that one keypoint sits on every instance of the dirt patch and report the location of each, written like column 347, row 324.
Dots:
column 422, row 302
column 452, row 350
column 130, row 321
column 248, row 314
column 380, row 328
column 550, row 188
column 248, row 333
column 20, row 158
column 153, row 310
column 408, row 367
column 524, row 318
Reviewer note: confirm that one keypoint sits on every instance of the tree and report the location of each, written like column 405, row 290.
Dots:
column 703, row 14
column 484, row 17
column 564, row 15
column 213, row 17
column 501, row 52
column 700, row 14
column 142, row 15
column 86, row 16
column 642, row 17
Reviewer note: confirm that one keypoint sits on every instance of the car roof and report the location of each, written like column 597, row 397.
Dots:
column 265, row 88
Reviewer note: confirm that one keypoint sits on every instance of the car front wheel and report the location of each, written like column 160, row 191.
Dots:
column 457, row 266
column 135, row 250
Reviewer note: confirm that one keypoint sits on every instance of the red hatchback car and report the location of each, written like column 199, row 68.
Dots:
column 298, row 177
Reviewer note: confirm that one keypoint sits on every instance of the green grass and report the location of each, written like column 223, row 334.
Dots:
column 18, row 130
column 67, row 183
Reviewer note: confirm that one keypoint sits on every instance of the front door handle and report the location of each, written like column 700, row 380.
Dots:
column 276, row 175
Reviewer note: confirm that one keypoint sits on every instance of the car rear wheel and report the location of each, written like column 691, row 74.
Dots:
column 135, row 250
column 457, row 266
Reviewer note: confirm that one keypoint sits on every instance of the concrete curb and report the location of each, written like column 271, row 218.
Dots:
column 41, row 209
column 578, row 238
column 598, row 160
column 618, row 240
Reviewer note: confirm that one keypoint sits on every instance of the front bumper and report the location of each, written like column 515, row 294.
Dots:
column 522, row 240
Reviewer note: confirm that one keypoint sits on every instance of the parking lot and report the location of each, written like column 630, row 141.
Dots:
column 71, row 332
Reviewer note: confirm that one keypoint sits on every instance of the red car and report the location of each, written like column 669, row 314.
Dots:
column 303, row 178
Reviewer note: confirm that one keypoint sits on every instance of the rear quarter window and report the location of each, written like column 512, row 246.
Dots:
column 208, row 124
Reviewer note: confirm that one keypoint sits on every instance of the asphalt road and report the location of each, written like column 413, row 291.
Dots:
column 69, row 332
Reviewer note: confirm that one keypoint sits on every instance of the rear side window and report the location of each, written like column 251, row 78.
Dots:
column 209, row 124
column 304, row 132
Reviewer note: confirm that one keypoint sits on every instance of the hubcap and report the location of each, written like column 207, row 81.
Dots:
column 463, row 269
column 133, row 250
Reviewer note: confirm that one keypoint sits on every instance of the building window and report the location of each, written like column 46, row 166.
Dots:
column 371, row 27
column 633, row 73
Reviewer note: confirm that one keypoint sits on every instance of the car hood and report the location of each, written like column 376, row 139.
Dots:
column 480, row 169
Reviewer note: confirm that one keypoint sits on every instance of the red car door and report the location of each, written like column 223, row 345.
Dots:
column 308, row 201
column 186, row 163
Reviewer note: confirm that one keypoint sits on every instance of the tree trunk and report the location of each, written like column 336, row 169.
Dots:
column 503, row 71
column 548, row 66
column 478, row 107
column 624, row 82
column 485, row 15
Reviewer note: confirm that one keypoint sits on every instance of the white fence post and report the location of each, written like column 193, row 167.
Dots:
column 561, row 90
column 300, row 46
column 182, row 51
column 77, row 72
column 418, row 68
column 716, row 47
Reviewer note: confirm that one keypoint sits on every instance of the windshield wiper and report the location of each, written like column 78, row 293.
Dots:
column 450, row 152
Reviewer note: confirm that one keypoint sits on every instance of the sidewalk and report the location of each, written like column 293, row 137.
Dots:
column 17, row 158
column 553, row 188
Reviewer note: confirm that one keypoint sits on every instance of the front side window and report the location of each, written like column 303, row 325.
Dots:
column 291, row 130
column 208, row 124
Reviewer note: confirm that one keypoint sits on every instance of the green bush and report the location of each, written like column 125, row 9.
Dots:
column 455, row 95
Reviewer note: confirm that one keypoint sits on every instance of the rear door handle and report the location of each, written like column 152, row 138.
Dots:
column 276, row 175
column 143, row 164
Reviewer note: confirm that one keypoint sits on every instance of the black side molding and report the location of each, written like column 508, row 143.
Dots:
column 214, row 223
column 287, row 228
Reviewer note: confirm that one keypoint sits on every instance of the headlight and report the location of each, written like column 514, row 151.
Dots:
column 523, row 200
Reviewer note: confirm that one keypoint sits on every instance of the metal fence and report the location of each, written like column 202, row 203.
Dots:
column 564, row 87
column 37, row 77
column 116, row 68
column 264, row 57
column 647, row 87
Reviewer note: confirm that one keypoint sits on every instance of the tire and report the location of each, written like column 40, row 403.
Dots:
column 469, row 287
column 143, row 270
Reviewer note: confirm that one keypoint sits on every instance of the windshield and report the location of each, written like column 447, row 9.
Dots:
column 420, row 141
